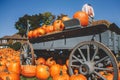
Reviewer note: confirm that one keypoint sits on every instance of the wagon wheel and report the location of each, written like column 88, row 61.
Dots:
column 91, row 58
column 27, row 53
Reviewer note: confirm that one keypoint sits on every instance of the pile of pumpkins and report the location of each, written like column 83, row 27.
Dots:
column 12, row 69
column 58, row 25
column 44, row 69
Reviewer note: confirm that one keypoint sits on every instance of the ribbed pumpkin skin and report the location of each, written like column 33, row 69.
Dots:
column 9, row 76
column 78, row 77
column 28, row 70
column 42, row 72
column 55, row 70
column 40, row 60
column 58, row 25
column 82, row 17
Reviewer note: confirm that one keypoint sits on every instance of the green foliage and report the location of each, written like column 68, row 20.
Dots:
column 48, row 18
column 59, row 17
column 35, row 21
column 24, row 78
column 21, row 24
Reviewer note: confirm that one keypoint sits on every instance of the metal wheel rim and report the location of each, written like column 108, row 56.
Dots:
column 89, row 62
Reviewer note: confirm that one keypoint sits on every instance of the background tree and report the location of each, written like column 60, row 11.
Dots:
column 35, row 21
column 48, row 18
column 21, row 25
column 59, row 17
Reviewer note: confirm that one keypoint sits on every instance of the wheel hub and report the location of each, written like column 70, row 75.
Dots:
column 87, row 68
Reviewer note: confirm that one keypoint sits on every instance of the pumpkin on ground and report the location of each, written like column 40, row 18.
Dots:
column 78, row 77
column 55, row 70
column 109, row 76
column 40, row 60
column 61, row 76
column 64, row 69
column 82, row 17
column 3, row 61
column 14, row 66
column 2, row 68
column 9, row 76
column 28, row 70
column 42, row 72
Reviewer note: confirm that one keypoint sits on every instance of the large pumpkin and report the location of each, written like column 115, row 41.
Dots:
column 78, row 77
column 28, row 70
column 14, row 66
column 82, row 17
column 55, row 70
column 42, row 72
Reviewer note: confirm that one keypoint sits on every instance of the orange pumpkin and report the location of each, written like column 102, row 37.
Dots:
column 28, row 70
column 2, row 68
column 55, row 70
column 30, row 34
column 44, row 26
column 40, row 60
column 82, row 17
column 76, row 71
column 14, row 66
column 58, row 25
column 42, row 72
column 64, row 69
column 40, row 32
column 65, row 18
column 119, row 75
column 50, row 62
column 109, row 76
column 3, row 61
column 35, row 33
column 49, row 28
column 9, row 76
column 61, row 76
column 78, row 77
column 67, row 62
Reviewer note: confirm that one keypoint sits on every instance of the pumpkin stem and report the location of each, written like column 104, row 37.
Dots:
column 61, row 73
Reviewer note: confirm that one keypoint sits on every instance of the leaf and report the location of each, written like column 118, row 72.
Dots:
column 50, row 78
